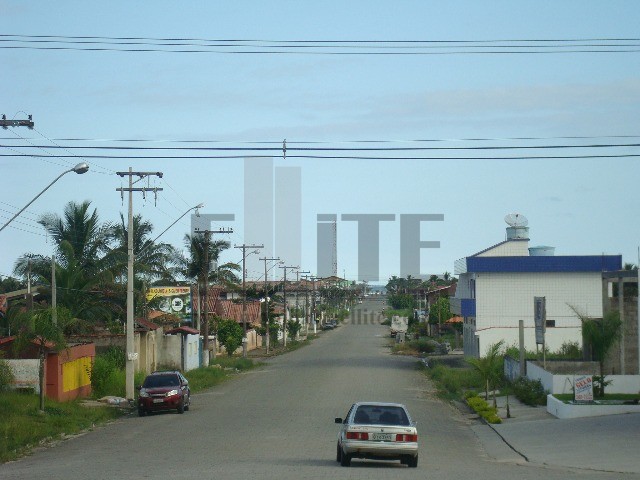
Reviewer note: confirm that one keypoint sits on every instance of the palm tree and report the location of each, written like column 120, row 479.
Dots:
column 601, row 335
column 83, row 262
column 192, row 267
column 489, row 368
column 152, row 260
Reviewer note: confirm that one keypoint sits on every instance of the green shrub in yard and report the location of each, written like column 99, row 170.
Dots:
column 482, row 408
column 529, row 392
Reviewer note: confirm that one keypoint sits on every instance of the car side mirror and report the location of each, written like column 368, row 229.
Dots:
column 139, row 387
column 338, row 420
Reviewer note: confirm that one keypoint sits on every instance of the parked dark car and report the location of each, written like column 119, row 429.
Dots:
column 166, row 390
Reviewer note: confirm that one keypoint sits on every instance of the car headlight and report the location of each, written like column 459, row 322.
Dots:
column 172, row 393
column 143, row 394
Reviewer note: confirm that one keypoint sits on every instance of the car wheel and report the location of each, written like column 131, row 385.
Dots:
column 338, row 453
column 186, row 407
column 413, row 462
column 141, row 412
column 345, row 459
column 181, row 406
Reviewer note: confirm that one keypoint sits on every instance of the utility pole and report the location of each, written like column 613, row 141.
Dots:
column 131, row 355
column 4, row 123
column 205, row 295
column 306, row 303
column 284, row 293
column 313, row 304
column 54, row 292
column 244, row 293
column 266, row 295
column 298, row 272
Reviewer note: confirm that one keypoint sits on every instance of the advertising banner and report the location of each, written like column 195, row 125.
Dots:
column 583, row 388
column 539, row 316
column 172, row 300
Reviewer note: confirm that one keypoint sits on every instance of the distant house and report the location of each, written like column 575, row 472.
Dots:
column 497, row 286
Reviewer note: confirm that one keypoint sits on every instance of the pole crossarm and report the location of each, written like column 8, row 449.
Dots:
column 4, row 123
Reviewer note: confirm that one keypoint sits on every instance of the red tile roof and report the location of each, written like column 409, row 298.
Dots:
column 232, row 310
column 182, row 329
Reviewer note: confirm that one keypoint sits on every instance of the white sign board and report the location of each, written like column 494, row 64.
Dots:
column 583, row 387
column 539, row 316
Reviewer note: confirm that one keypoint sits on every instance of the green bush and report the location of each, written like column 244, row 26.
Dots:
column 483, row 409
column 108, row 376
column 6, row 375
column 529, row 392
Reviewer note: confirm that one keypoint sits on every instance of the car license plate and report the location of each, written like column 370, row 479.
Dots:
column 382, row 437
column 158, row 400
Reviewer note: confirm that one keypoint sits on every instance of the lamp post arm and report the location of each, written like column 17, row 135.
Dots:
column 35, row 198
column 166, row 229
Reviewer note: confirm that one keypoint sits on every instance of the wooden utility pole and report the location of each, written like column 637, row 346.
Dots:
column 244, row 247
column 266, row 296
column 284, row 293
column 131, row 355
column 205, row 294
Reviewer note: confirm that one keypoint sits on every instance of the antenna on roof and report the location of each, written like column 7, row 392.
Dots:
column 516, row 220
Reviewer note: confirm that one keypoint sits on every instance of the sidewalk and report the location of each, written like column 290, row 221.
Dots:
column 608, row 443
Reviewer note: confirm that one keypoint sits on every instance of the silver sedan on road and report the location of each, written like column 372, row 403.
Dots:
column 378, row 431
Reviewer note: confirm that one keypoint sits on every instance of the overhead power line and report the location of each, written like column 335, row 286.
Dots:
column 321, row 47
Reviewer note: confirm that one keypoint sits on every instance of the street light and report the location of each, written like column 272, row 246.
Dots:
column 200, row 205
column 79, row 169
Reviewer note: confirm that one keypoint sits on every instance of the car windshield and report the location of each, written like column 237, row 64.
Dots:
column 155, row 381
column 381, row 415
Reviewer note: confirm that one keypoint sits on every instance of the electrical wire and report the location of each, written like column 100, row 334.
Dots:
column 320, row 47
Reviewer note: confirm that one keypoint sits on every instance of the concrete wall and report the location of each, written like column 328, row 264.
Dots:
column 563, row 410
column 25, row 373
column 502, row 299
column 169, row 352
column 563, row 383
column 191, row 352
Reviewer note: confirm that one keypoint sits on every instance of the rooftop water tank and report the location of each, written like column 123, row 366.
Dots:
column 542, row 251
column 517, row 232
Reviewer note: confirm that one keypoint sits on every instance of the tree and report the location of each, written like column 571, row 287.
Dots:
column 293, row 327
column 37, row 328
column 489, row 368
column 230, row 335
column 440, row 311
column 601, row 335
column 152, row 260
column 83, row 263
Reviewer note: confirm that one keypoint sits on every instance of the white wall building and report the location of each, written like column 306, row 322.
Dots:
column 497, row 286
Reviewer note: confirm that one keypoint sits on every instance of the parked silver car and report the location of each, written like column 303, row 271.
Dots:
column 379, row 431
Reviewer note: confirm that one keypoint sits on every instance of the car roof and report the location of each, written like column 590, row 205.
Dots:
column 165, row 372
column 381, row 404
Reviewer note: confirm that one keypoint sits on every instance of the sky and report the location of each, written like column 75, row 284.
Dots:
column 482, row 86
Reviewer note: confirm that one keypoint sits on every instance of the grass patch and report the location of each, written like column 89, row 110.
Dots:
column 452, row 383
column 217, row 372
column 420, row 346
column 625, row 397
column 24, row 427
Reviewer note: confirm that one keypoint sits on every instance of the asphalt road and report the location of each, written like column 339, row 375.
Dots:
column 276, row 422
